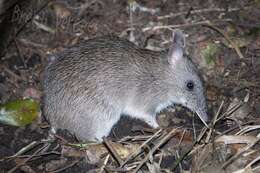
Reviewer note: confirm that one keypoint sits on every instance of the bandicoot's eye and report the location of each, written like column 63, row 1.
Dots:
column 190, row 85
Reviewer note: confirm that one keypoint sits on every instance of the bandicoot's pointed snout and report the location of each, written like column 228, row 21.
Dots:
column 202, row 114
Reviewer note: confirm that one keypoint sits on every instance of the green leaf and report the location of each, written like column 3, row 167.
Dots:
column 19, row 112
column 209, row 53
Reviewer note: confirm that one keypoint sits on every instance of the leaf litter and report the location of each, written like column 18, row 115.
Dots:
column 230, row 144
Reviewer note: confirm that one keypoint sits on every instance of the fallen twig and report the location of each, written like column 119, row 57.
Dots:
column 253, row 162
column 44, row 27
column 210, row 25
column 239, row 153
column 112, row 151
column 171, row 27
column 151, row 152
column 26, row 160
column 248, row 129
column 24, row 149
column 198, row 11
column 11, row 73
column 230, row 111
column 214, row 122
column 138, row 150
column 104, row 164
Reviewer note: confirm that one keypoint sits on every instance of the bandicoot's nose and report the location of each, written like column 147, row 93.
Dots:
column 203, row 116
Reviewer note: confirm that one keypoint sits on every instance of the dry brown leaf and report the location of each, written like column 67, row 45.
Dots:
column 211, row 158
column 100, row 150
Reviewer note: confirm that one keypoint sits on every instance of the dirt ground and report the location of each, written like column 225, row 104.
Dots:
column 222, row 38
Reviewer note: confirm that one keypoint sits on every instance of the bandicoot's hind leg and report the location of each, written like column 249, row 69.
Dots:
column 98, row 127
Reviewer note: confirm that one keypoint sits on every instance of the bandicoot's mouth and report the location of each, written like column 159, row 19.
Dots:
column 203, row 116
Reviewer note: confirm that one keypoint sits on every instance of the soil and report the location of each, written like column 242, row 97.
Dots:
column 33, row 30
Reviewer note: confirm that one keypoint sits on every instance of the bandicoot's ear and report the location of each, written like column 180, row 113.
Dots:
column 177, row 47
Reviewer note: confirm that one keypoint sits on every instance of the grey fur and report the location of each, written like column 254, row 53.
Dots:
column 89, row 86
